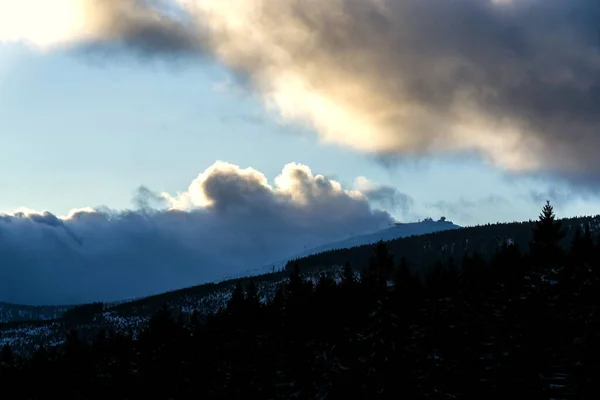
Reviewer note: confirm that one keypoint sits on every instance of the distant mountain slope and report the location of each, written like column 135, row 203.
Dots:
column 399, row 230
column 423, row 251
column 17, row 312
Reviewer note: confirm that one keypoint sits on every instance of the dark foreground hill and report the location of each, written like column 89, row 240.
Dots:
column 521, row 324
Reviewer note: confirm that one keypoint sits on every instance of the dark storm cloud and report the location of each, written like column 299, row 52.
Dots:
column 229, row 220
column 146, row 29
column 517, row 82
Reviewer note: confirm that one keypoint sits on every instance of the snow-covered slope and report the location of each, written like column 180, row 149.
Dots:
column 125, row 318
column 18, row 312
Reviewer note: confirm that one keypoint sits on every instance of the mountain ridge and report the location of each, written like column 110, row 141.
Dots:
column 396, row 231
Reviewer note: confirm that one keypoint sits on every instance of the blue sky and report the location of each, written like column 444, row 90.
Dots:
column 82, row 133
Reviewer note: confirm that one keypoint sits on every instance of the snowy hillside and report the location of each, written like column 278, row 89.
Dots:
column 17, row 312
column 23, row 336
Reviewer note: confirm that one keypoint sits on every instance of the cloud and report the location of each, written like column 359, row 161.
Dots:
column 228, row 221
column 556, row 196
column 387, row 197
column 389, row 77
column 145, row 26
column 465, row 209
column 423, row 77
column 145, row 199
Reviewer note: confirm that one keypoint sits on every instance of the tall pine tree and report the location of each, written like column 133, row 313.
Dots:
column 545, row 244
column 379, row 269
column 7, row 356
column 252, row 297
column 237, row 301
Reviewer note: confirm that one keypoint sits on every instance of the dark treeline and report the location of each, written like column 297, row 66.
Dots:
column 523, row 324
column 82, row 314
column 424, row 250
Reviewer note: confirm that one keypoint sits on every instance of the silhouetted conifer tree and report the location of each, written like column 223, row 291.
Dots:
column 403, row 275
column 380, row 268
column 348, row 280
column 298, row 289
column 325, row 294
column 434, row 280
column 252, row 298
column 278, row 301
column 547, row 234
column 237, row 300
column 451, row 277
column 325, row 286
column 508, row 269
column 40, row 357
column 6, row 356
column 582, row 248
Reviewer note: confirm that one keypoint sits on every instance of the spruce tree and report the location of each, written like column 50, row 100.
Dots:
column 40, row 357
column 577, row 257
column 588, row 244
column 547, row 234
column 577, row 243
column 407, row 288
column 380, row 268
column 298, row 289
column 7, row 356
column 252, row 297
column 403, row 275
column 325, row 286
column 348, row 280
column 406, row 282
column 278, row 301
column 595, row 270
column 451, row 274
column 236, row 303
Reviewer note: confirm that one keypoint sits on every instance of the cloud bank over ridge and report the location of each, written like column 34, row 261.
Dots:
column 229, row 220
column 408, row 77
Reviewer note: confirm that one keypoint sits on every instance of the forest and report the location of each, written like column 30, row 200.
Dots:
column 524, row 322
column 422, row 251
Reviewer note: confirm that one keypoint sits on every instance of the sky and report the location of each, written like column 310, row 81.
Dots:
column 136, row 133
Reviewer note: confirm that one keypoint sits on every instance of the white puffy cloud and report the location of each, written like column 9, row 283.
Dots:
column 228, row 221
